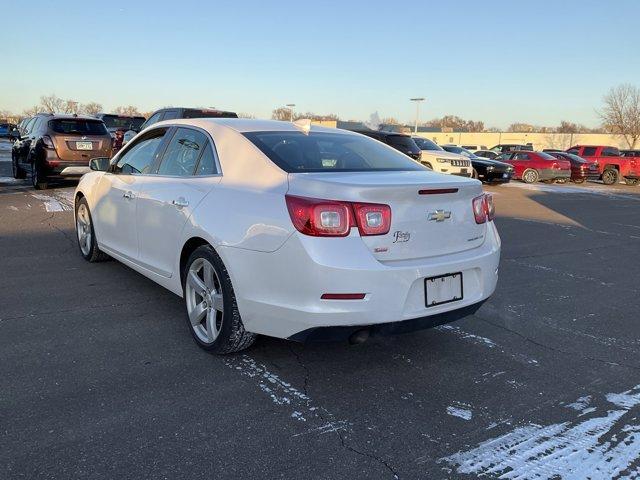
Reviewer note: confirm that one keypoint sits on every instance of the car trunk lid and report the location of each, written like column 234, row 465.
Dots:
column 431, row 214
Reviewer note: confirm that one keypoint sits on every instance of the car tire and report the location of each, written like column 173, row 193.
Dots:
column 579, row 180
column 18, row 172
column 530, row 176
column 211, row 308
column 610, row 176
column 632, row 181
column 86, row 235
column 37, row 180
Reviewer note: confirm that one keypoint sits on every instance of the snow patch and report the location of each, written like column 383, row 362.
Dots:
column 460, row 412
column 580, row 404
column 600, row 447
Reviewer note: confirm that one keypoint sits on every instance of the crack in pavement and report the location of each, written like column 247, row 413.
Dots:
column 341, row 437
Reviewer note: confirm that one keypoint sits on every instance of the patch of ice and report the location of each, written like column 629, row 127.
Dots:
column 457, row 411
column 600, row 447
column 580, row 404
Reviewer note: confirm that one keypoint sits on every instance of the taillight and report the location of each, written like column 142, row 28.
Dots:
column 479, row 209
column 332, row 218
column 490, row 207
column 319, row 218
column 372, row 218
column 484, row 208
column 47, row 142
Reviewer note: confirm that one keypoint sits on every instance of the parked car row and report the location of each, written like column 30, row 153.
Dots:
column 57, row 146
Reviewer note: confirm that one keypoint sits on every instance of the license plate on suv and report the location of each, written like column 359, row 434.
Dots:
column 443, row 289
column 84, row 145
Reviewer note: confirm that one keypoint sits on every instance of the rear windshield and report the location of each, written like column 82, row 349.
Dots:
column 426, row 144
column 208, row 114
column 126, row 123
column 402, row 141
column 546, row 156
column 296, row 152
column 77, row 126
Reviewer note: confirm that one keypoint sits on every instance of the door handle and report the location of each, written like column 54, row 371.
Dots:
column 128, row 195
column 180, row 202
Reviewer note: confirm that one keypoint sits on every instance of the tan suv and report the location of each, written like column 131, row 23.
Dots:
column 59, row 146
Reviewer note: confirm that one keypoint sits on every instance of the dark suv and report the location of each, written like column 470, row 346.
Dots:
column 399, row 141
column 170, row 113
column 58, row 146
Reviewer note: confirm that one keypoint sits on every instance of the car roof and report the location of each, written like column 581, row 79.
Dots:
column 68, row 116
column 243, row 125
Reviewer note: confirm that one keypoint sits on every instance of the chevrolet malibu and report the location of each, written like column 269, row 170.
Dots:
column 283, row 229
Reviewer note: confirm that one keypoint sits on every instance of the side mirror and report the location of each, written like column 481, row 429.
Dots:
column 99, row 164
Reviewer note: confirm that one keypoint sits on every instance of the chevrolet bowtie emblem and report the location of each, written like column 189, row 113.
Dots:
column 439, row 215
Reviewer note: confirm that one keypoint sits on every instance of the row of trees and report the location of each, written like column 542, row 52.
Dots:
column 54, row 104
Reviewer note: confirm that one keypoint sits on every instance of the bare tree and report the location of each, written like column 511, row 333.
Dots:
column 128, row 111
column 621, row 113
column 51, row 103
column 70, row 106
column 246, row 115
column 31, row 111
column 282, row 113
column 390, row 121
column 91, row 108
column 456, row 123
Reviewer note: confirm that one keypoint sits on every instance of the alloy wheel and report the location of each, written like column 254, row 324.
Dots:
column 83, row 229
column 205, row 304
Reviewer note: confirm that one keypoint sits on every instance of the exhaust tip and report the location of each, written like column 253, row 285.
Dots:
column 358, row 337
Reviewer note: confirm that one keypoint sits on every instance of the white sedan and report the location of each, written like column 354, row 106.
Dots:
column 292, row 231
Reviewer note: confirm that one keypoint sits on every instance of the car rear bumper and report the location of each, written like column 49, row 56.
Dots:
column 279, row 293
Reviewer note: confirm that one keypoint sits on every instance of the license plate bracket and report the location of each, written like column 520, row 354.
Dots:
column 443, row 289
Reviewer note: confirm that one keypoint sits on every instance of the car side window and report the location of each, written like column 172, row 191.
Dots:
column 589, row 151
column 140, row 157
column 170, row 115
column 183, row 152
column 154, row 119
column 207, row 162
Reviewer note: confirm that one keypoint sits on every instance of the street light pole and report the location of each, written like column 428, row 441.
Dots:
column 417, row 100
column 291, row 105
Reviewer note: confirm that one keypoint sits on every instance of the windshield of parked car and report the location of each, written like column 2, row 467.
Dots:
column 426, row 144
column 125, row 123
column 296, row 152
column 458, row 150
column 78, row 126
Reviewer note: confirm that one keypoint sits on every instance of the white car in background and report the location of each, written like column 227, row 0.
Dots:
column 275, row 228
column 437, row 159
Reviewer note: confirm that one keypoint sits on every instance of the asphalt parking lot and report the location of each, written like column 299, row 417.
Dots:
column 101, row 379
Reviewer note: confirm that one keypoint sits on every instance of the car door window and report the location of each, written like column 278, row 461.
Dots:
column 521, row 156
column 207, row 162
column 139, row 158
column 154, row 119
column 183, row 152
column 170, row 115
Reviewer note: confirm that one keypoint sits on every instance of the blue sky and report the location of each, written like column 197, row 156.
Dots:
column 498, row 61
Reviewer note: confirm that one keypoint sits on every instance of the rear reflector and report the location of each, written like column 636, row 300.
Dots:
column 342, row 296
column 437, row 191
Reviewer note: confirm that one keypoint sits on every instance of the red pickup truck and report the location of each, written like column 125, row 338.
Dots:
column 611, row 165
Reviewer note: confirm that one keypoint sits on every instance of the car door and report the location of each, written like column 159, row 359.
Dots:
column 26, row 140
column 115, row 198
column 187, row 171
column 520, row 162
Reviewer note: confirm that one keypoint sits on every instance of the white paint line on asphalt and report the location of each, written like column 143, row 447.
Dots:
column 545, row 268
column 285, row 395
column 487, row 342
column 598, row 447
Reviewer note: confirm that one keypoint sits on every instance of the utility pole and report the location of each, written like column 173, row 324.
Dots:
column 417, row 100
column 291, row 105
